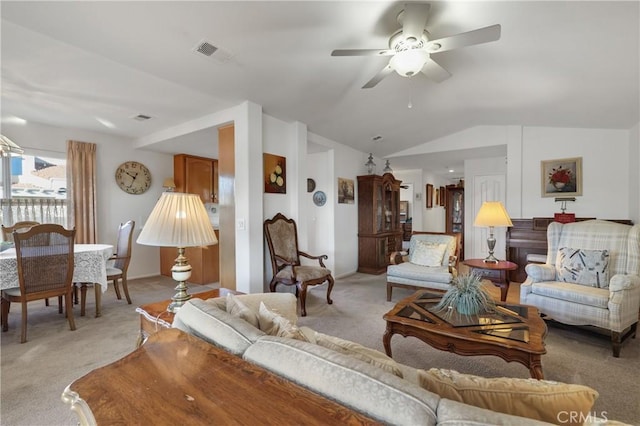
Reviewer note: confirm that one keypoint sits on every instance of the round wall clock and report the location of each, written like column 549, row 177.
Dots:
column 319, row 198
column 133, row 177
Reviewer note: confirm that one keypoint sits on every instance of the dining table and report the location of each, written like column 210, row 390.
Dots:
column 90, row 266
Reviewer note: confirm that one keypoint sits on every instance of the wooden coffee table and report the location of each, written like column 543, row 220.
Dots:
column 176, row 378
column 512, row 332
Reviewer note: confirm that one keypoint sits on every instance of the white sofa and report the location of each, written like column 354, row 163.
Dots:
column 383, row 390
column 603, row 292
column 417, row 270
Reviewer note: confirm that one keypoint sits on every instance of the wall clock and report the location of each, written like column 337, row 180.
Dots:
column 133, row 177
column 319, row 198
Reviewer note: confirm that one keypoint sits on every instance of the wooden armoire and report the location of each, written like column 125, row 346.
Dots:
column 379, row 230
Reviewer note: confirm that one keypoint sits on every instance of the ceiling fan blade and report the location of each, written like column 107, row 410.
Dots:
column 378, row 77
column 434, row 71
column 362, row 52
column 414, row 19
column 482, row 35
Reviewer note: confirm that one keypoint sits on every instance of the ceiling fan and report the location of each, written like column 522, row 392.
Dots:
column 410, row 47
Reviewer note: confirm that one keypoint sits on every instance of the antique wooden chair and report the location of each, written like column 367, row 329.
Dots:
column 7, row 231
column 118, row 270
column 45, row 269
column 25, row 225
column 282, row 238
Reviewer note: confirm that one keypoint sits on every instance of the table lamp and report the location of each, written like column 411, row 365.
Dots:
column 491, row 214
column 178, row 220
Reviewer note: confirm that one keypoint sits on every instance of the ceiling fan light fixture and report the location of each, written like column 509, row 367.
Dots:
column 409, row 62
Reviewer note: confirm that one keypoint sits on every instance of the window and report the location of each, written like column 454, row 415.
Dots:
column 38, row 176
column 33, row 187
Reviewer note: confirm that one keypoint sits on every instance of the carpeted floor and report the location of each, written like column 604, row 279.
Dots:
column 34, row 374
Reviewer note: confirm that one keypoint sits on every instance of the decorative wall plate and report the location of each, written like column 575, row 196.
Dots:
column 319, row 198
column 311, row 185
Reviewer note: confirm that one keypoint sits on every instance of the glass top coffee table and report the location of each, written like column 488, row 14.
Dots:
column 512, row 332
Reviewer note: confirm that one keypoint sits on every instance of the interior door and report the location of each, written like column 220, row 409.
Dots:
column 485, row 188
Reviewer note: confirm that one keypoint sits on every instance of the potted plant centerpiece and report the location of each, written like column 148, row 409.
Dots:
column 467, row 296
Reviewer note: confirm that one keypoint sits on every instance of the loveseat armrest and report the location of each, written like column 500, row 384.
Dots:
column 621, row 282
column 453, row 262
column 398, row 257
column 540, row 273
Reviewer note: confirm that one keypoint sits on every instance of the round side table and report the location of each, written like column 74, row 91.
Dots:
column 497, row 273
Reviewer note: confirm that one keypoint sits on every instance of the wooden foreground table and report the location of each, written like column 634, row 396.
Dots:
column 176, row 378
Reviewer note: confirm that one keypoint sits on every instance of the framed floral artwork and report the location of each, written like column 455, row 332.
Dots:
column 275, row 174
column 561, row 177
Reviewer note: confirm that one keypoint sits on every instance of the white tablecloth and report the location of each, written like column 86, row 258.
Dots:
column 90, row 265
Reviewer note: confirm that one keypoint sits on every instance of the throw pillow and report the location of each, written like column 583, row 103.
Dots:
column 238, row 309
column 275, row 324
column 535, row 399
column 586, row 267
column 428, row 254
column 371, row 356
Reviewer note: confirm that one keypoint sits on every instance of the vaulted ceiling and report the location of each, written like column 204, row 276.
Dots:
column 96, row 65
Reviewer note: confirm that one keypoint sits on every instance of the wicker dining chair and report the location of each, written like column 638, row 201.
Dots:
column 25, row 225
column 7, row 231
column 45, row 269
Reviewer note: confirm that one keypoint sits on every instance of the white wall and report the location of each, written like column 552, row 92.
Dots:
column 416, row 205
column 114, row 205
column 605, row 169
column 433, row 219
column 634, row 173
column 341, row 220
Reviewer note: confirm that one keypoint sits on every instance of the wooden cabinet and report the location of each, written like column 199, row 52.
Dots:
column 203, row 260
column 454, row 213
column 196, row 175
column 379, row 231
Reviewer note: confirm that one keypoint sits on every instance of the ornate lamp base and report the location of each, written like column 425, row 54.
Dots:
column 181, row 271
column 491, row 242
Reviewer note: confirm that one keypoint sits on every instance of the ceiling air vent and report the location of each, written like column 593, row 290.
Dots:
column 141, row 117
column 205, row 48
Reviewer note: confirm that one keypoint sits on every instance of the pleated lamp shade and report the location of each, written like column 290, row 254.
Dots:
column 178, row 220
column 492, row 213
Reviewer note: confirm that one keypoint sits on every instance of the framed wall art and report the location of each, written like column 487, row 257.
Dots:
column 561, row 177
column 345, row 191
column 275, row 174
column 443, row 194
column 429, row 196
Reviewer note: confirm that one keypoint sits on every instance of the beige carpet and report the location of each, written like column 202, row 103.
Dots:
column 34, row 374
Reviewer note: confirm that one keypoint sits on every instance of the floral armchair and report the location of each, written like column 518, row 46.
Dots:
column 591, row 277
column 431, row 263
